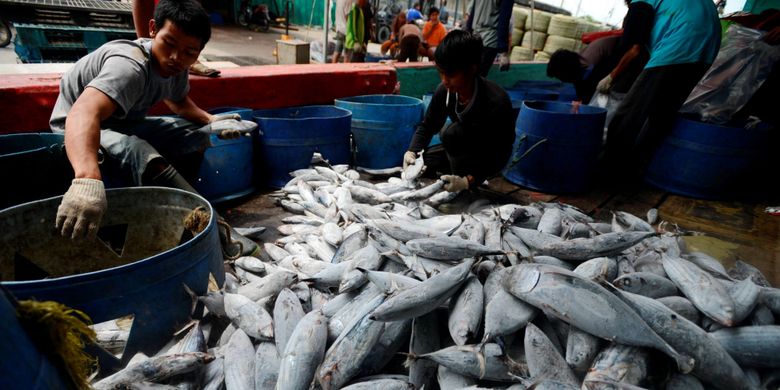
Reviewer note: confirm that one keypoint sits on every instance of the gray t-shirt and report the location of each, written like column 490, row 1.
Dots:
column 123, row 71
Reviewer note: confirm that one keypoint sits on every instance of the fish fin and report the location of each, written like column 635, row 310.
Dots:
column 193, row 298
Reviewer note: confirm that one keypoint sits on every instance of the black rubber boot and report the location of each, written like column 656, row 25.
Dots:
column 171, row 178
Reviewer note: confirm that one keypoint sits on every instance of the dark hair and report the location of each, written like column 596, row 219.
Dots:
column 187, row 15
column 564, row 65
column 408, row 48
column 432, row 10
column 459, row 51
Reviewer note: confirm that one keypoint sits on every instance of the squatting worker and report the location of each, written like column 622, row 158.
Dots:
column 683, row 38
column 479, row 141
column 103, row 102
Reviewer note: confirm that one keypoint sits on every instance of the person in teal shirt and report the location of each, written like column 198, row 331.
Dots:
column 683, row 39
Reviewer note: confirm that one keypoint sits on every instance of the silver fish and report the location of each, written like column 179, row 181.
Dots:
column 344, row 357
column 424, row 339
column 425, row 297
column 350, row 244
column 240, row 362
column 332, row 234
column 620, row 364
column 550, row 222
column 683, row 307
column 304, row 353
column 745, row 296
column 287, row 313
column 384, row 384
column 249, row 316
column 543, row 358
column 466, row 311
column 449, row 248
column 704, row 291
column 647, row 284
column 270, row 285
column 585, row 305
column 266, row 366
column 425, row 192
column 713, row 363
column 581, row 249
column 752, row 346
column 156, row 369
column 486, row 362
column 581, row 349
column 449, row 379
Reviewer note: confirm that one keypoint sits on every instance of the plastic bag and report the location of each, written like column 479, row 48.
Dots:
column 742, row 65
column 610, row 102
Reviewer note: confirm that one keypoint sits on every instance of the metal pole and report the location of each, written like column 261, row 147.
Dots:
column 533, row 7
column 577, row 14
column 287, row 18
column 326, row 24
column 455, row 17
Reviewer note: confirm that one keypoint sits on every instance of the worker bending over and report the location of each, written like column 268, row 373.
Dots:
column 683, row 38
column 103, row 102
column 479, row 141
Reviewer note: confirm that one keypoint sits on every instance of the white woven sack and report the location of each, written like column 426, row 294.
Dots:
column 539, row 39
column 517, row 37
column 519, row 18
column 542, row 57
column 555, row 43
column 520, row 53
column 563, row 26
column 541, row 21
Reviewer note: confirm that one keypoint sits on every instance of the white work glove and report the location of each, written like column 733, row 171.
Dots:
column 455, row 183
column 81, row 209
column 358, row 48
column 409, row 158
column 229, row 126
column 605, row 85
column 503, row 62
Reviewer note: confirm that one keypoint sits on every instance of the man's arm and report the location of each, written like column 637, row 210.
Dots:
column 626, row 60
column 637, row 27
column 190, row 111
column 82, row 131
column 504, row 16
column 143, row 12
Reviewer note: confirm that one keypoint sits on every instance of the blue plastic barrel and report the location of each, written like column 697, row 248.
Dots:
column 138, row 265
column 426, row 99
column 25, row 367
column 556, row 150
column 227, row 170
column 37, row 166
column 382, row 127
column 709, row 161
column 289, row 136
column 521, row 94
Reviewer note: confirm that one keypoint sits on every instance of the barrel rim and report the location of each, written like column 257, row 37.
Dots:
column 343, row 113
column 533, row 106
column 412, row 101
column 116, row 271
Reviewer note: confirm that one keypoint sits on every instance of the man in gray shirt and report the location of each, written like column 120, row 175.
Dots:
column 103, row 103
column 490, row 20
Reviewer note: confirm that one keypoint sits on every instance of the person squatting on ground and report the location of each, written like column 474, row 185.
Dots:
column 102, row 106
column 478, row 143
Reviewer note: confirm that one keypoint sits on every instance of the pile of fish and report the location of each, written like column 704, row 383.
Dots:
column 372, row 287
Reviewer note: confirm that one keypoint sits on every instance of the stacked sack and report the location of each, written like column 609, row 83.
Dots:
column 535, row 39
column 562, row 34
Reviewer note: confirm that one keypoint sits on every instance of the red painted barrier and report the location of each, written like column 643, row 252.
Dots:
column 26, row 101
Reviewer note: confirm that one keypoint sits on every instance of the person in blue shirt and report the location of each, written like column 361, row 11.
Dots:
column 683, row 39
column 414, row 14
